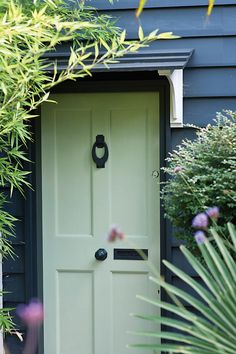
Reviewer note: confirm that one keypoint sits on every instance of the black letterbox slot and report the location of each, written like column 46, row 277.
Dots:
column 129, row 254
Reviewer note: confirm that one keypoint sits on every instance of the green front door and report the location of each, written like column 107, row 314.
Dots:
column 88, row 302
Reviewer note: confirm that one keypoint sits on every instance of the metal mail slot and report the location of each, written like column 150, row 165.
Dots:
column 129, row 254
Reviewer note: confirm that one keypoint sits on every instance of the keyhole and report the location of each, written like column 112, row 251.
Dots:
column 155, row 174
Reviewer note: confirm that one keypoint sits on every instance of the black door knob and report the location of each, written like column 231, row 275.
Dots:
column 101, row 254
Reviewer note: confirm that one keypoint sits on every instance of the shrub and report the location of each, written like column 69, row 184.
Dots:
column 203, row 173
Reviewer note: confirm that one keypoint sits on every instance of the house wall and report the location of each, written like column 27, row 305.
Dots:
column 14, row 269
column 209, row 86
column 19, row 276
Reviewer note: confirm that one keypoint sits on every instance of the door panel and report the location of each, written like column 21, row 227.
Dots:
column 125, row 303
column 129, row 139
column 75, row 311
column 88, row 302
column 73, row 180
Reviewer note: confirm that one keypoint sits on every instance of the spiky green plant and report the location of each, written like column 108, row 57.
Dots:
column 211, row 327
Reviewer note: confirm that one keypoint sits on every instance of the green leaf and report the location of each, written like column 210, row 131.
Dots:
column 122, row 36
column 232, row 232
column 167, row 35
column 140, row 33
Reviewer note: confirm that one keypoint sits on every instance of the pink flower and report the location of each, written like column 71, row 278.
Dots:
column 200, row 221
column 115, row 233
column 200, row 237
column 178, row 169
column 213, row 212
column 32, row 314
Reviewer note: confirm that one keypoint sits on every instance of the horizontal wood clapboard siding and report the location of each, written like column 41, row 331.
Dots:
column 184, row 22
column 132, row 4
column 208, row 51
column 209, row 86
column 201, row 111
column 18, row 279
column 177, row 135
column 14, row 268
column 210, row 82
column 14, row 284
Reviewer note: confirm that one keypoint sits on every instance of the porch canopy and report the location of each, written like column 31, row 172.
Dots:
column 169, row 63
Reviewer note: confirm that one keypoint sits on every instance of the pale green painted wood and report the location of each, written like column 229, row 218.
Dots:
column 87, row 302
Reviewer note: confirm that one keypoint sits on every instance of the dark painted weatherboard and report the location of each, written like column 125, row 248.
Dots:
column 208, row 51
column 178, row 134
column 184, row 22
column 18, row 278
column 14, row 344
column 132, row 4
column 14, row 270
column 209, row 86
column 201, row 111
column 210, row 82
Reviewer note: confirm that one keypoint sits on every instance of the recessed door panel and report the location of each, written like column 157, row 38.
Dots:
column 129, row 139
column 125, row 287
column 73, row 180
column 88, row 301
column 75, row 312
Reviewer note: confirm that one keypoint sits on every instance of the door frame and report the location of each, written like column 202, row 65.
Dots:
column 100, row 82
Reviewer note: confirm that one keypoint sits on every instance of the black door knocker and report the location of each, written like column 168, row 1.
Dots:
column 100, row 144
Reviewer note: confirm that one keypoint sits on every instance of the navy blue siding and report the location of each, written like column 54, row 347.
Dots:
column 177, row 135
column 210, row 82
column 201, row 110
column 209, row 86
column 184, row 21
column 208, row 51
column 14, row 344
column 132, row 4
column 17, row 271
column 14, row 269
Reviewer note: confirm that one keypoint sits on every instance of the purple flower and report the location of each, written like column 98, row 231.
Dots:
column 213, row 212
column 200, row 221
column 178, row 169
column 32, row 314
column 200, row 237
column 115, row 233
